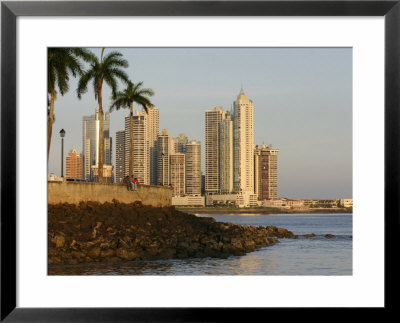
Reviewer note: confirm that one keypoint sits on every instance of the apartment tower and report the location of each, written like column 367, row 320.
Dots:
column 73, row 165
column 243, row 144
column 141, row 153
column 164, row 150
column 226, row 155
column 266, row 172
column 120, row 156
column 193, row 168
column 90, row 143
column 212, row 168
column 177, row 173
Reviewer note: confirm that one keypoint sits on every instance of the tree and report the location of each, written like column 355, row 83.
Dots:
column 125, row 99
column 61, row 62
column 107, row 70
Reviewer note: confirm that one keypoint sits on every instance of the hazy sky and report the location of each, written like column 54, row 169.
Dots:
column 302, row 106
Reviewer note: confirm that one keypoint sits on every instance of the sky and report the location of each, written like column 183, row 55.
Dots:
column 302, row 106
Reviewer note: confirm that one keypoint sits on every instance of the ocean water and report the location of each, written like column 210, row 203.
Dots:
column 303, row 256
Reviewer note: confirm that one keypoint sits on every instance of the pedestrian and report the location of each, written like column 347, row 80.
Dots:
column 135, row 184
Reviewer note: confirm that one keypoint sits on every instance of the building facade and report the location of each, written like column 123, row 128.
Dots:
column 213, row 118
column 153, row 121
column 164, row 150
column 226, row 155
column 120, row 156
column 73, row 165
column 243, row 144
column 193, row 168
column 177, row 173
column 180, row 143
column 90, row 143
column 266, row 172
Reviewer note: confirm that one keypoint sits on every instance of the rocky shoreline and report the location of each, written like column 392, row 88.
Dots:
column 111, row 232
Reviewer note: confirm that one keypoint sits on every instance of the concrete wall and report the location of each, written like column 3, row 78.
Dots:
column 75, row 192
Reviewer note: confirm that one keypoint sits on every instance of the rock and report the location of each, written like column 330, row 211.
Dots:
column 329, row 236
column 59, row 240
column 94, row 252
column 125, row 254
column 309, row 235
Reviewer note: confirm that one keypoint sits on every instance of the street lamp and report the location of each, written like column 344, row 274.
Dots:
column 62, row 135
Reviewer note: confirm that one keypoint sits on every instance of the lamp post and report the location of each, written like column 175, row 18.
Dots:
column 163, row 170
column 62, row 135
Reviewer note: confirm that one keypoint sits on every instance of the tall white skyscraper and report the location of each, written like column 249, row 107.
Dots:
column 193, row 168
column 243, row 144
column 90, row 143
column 212, row 177
column 141, row 153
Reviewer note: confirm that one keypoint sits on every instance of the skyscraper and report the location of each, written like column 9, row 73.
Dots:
column 212, row 179
column 266, row 172
column 152, row 133
column 226, row 155
column 141, row 153
column 73, row 165
column 177, row 173
column 164, row 150
column 193, row 168
column 120, row 156
column 243, row 145
column 90, row 143
column 180, row 143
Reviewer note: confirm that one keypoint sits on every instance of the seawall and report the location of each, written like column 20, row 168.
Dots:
column 76, row 192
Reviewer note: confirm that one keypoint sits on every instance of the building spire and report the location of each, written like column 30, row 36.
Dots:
column 241, row 89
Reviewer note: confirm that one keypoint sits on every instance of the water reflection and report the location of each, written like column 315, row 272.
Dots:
column 304, row 256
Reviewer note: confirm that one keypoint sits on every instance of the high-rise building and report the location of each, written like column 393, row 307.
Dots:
column 226, row 155
column 177, row 173
column 152, row 133
column 193, row 168
column 243, row 145
column 164, row 150
column 180, row 143
column 266, row 172
column 120, row 156
column 107, row 173
column 213, row 119
column 141, row 153
column 73, row 165
column 90, row 143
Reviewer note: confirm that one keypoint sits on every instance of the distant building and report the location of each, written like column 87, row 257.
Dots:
column 73, row 165
column 177, row 173
column 213, row 118
column 346, row 202
column 90, row 143
column 120, row 172
column 193, row 167
column 141, row 152
column 107, row 173
column 189, row 200
column 153, row 120
column 164, row 150
column 180, row 143
column 226, row 155
column 243, row 144
column 266, row 172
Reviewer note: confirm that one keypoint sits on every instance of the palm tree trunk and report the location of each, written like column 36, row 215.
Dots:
column 101, row 135
column 50, row 121
column 131, row 140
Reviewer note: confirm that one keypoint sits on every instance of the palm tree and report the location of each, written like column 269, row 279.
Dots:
column 106, row 69
column 60, row 63
column 134, row 93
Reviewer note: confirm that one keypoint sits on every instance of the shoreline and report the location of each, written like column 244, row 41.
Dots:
column 263, row 211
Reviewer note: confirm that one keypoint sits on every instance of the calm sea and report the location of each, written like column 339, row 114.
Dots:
column 303, row 256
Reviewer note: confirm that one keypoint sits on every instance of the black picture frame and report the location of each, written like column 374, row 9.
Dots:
column 10, row 10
